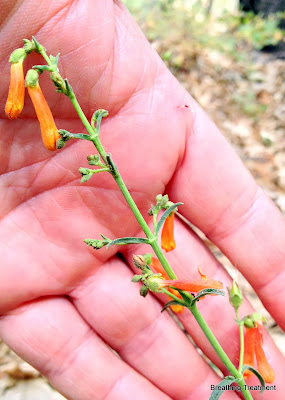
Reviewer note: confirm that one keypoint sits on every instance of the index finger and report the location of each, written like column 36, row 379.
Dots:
column 222, row 199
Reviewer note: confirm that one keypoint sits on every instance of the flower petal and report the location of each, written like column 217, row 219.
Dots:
column 248, row 357
column 263, row 366
column 167, row 234
column 48, row 129
column 16, row 95
column 194, row 286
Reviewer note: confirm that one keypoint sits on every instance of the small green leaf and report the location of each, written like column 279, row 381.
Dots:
column 55, row 60
column 127, row 240
column 261, row 380
column 85, row 178
column 217, row 393
column 165, row 215
column 42, row 68
column 171, row 303
column 68, row 89
column 204, row 292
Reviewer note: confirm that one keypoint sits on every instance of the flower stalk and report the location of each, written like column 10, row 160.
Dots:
column 170, row 285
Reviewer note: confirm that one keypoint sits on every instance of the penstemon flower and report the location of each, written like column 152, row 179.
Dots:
column 167, row 234
column 16, row 95
column 253, row 346
column 48, row 129
column 155, row 263
column 182, row 284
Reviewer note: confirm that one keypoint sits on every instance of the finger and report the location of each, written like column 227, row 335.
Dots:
column 147, row 339
column 221, row 198
column 185, row 259
column 52, row 336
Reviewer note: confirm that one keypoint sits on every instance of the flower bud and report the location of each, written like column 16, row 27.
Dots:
column 252, row 320
column 139, row 261
column 96, row 244
column 235, row 295
column 143, row 291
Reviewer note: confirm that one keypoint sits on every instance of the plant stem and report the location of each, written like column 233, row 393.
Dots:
column 173, row 296
column 153, row 241
column 241, row 335
column 219, row 350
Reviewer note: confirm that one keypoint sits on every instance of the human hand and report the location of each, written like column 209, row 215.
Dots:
column 63, row 304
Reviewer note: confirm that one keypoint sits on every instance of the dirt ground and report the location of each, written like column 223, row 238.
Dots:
column 247, row 103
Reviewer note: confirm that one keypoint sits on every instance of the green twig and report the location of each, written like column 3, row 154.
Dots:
column 241, row 335
column 94, row 136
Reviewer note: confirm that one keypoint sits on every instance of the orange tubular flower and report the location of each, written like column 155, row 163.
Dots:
column 167, row 234
column 253, row 345
column 190, row 286
column 158, row 268
column 48, row 129
column 248, row 357
column 16, row 95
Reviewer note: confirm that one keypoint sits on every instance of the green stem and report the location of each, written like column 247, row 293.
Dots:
column 241, row 335
column 153, row 240
column 173, row 296
column 124, row 190
column 219, row 350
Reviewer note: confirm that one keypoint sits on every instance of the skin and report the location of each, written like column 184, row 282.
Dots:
column 62, row 304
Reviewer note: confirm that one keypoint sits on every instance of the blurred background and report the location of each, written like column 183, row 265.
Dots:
column 230, row 56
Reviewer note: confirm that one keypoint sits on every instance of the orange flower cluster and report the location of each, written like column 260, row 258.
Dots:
column 16, row 96
column 253, row 343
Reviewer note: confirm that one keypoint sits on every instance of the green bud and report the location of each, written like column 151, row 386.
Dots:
column 94, row 158
column 32, row 78
column 169, row 204
column 137, row 278
column 59, row 82
column 151, row 211
column 98, row 112
column 235, row 295
column 143, row 291
column 29, row 46
column 148, row 257
column 250, row 321
column 153, row 283
column 18, row 55
column 158, row 198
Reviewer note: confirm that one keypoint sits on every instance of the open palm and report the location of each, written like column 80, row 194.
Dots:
column 63, row 304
